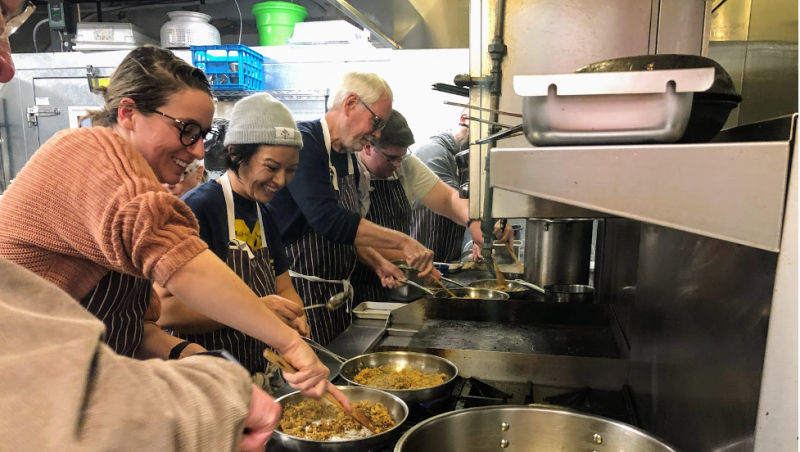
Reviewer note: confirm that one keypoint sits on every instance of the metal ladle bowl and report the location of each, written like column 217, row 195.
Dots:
column 335, row 302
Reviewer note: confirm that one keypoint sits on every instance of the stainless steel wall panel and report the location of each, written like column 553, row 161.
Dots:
column 776, row 428
column 698, row 337
column 769, row 87
column 732, row 191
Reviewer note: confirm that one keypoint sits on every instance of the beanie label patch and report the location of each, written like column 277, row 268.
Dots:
column 285, row 133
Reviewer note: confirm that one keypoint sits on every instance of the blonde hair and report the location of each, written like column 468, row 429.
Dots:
column 366, row 85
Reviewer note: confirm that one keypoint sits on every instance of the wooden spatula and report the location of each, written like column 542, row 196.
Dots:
column 514, row 256
column 449, row 292
column 356, row 413
column 501, row 280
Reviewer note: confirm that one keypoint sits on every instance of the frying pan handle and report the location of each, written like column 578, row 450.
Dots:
column 322, row 349
column 530, row 286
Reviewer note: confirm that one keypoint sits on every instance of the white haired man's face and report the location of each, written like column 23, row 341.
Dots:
column 363, row 122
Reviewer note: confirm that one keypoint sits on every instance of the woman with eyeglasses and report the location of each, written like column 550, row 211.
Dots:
column 88, row 213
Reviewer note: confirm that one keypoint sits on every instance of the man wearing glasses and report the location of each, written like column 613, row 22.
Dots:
column 318, row 215
column 395, row 181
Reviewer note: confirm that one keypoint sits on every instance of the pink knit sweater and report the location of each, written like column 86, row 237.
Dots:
column 87, row 203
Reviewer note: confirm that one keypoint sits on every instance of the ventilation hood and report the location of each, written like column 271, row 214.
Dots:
column 411, row 24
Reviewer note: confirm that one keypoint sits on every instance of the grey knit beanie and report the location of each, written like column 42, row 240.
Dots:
column 262, row 119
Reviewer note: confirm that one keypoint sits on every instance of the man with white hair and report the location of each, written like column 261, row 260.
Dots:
column 318, row 215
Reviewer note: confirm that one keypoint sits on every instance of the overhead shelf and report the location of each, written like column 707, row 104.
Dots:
column 732, row 191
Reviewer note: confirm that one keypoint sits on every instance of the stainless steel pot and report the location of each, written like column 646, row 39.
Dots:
column 473, row 293
column 419, row 361
column 536, row 428
column 396, row 407
column 569, row 293
column 406, row 292
column 558, row 251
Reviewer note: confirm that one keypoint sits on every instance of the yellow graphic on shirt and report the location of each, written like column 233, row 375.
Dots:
column 251, row 238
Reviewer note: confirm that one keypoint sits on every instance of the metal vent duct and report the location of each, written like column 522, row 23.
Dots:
column 411, row 24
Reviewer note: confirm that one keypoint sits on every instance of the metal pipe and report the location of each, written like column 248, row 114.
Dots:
column 497, row 51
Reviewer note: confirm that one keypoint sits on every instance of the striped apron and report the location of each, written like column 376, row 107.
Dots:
column 389, row 208
column 321, row 268
column 439, row 234
column 120, row 301
column 256, row 271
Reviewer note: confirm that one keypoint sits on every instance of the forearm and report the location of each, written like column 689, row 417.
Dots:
column 445, row 201
column 391, row 255
column 176, row 316
column 210, row 287
column 156, row 343
column 371, row 235
column 374, row 257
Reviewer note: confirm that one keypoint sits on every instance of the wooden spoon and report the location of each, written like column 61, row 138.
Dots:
column 439, row 281
column 514, row 256
column 357, row 413
column 501, row 279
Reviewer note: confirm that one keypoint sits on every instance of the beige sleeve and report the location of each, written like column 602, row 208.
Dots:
column 69, row 392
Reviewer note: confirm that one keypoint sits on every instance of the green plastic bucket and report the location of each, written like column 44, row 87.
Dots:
column 275, row 21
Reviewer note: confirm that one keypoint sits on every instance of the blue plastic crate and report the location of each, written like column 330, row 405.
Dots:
column 230, row 67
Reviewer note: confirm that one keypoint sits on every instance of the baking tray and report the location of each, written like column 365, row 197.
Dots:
column 609, row 108
column 375, row 310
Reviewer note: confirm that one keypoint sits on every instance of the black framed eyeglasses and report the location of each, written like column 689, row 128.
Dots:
column 392, row 159
column 377, row 122
column 14, row 23
column 191, row 132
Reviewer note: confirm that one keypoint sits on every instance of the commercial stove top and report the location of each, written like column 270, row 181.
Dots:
column 474, row 392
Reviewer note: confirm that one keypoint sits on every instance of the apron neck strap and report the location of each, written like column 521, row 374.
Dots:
column 234, row 242
column 327, row 136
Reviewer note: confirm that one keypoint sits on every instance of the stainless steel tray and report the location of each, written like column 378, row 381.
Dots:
column 613, row 107
column 375, row 310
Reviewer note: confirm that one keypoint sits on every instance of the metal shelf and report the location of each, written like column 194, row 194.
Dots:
column 733, row 191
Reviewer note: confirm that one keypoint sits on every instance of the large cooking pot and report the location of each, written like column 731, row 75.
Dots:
column 473, row 293
column 396, row 407
column 537, row 428
column 710, row 109
column 419, row 361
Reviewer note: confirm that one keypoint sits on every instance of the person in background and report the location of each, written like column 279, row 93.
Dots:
column 262, row 154
column 318, row 215
column 438, row 232
column 62, row 388
column 194, row 175
column 394, row 180
column 103, row 240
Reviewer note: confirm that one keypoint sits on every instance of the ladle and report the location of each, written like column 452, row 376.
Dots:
column 418, row 286
column 320, row 348
column 334, row 302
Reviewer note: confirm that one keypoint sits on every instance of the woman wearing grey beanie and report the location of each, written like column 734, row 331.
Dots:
column 262, row 147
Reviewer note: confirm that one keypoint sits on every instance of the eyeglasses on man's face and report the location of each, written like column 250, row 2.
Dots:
column 191, row 132
column 391, row 159
column 377, row 122
column 13, row 22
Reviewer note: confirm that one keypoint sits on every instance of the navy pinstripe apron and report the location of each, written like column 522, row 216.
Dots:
column 389, row 208
column 321, row 268
column 439, row 234
column 256, row 271
column 120, row 301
